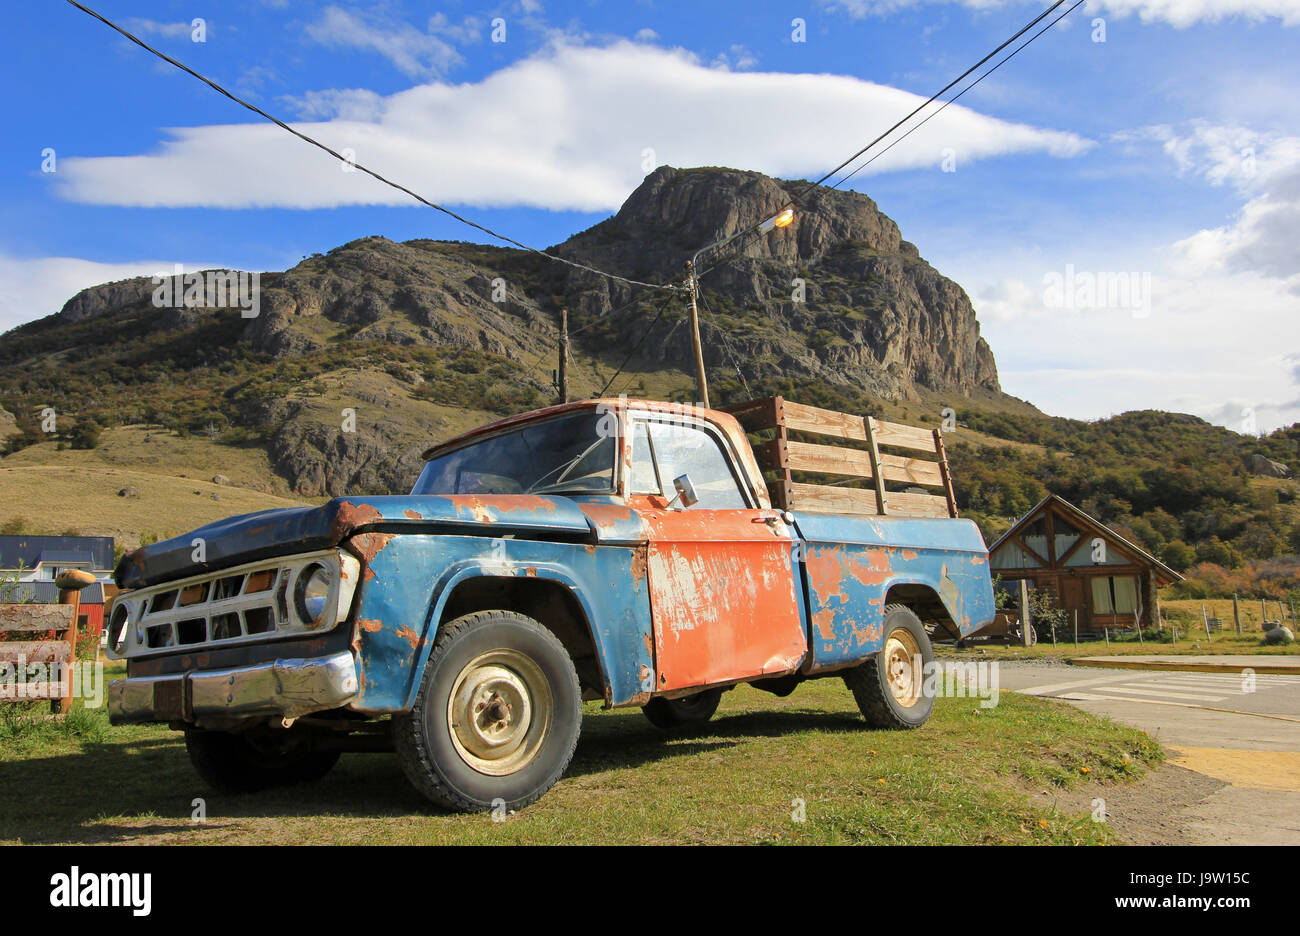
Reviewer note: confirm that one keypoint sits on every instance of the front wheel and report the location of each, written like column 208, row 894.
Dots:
column 497, row 717
column 890, row 687
column 256, row 760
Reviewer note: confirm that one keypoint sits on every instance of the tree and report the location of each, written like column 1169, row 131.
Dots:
column 1177, row 555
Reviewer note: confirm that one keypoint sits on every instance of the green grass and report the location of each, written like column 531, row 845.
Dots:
column 961, row 779
column 1189, row 644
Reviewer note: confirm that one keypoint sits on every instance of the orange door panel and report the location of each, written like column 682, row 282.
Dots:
column 722, row 596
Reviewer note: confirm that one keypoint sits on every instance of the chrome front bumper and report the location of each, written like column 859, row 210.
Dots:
column 287, row 688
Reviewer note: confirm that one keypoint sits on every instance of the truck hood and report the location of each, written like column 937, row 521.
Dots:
column 267, row 533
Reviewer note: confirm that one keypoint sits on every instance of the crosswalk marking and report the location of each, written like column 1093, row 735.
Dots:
column 1163, row 693
column 1197, row 690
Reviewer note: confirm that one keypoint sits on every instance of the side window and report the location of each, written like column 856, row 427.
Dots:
column 686, row 450
column 643, row 479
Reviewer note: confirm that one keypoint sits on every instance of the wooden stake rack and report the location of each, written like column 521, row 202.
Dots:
column 784, row 455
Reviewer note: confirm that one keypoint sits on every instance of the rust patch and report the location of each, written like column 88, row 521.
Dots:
column 351, row 517
column 370, row 625
column 649, row 645
column 606, row 514
column 638, row 566
column 825, row 573
column 369, row 545
column 644, row 674
column 824, row 620
column 641, row 698
column 413, row 514
column 408, row 635
column 531, row 572
column 591, row 549
column 907, row 553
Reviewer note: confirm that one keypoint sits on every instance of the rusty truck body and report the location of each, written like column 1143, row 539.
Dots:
column 626, row 551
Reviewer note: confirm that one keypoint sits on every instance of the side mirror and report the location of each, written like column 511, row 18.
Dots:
column 685, row 491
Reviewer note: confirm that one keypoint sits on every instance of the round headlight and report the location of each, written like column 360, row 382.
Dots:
column 312, row 591
column 117, row 627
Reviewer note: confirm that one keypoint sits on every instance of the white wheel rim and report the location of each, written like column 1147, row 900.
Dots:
column 900, row 651
column 500, row 712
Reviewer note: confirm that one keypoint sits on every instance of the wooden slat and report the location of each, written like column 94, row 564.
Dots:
column 907, row 504
column 882, row 501
column 911, row 470
column 769, row 454
column 35, row 651
column 35, row 692
column 821, row 498
column 756, row 415
column 945, row 472
column 900, row 436
column 36, row 617
column 856, row 463
column 800, row 418
column 829, row 459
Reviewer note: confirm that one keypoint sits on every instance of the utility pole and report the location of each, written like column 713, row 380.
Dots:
column 701, row 381
column 562, row 384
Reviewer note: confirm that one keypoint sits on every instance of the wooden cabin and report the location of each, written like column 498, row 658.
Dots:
column 1087, row 566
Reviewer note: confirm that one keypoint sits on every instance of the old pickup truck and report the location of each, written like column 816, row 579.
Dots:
column 640, row 553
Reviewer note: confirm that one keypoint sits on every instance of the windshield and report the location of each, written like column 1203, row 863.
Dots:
column 559, row 456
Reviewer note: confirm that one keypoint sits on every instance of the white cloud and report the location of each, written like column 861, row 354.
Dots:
column 646, row 35
column 563, row 129
column 34, row 288
column 736, row 57
column 1264, row 168
column 1177, row 13
column 414, row 53
column 148, row 27
column 1208, row 345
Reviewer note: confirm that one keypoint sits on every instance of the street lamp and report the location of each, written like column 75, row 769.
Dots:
column 781, row 219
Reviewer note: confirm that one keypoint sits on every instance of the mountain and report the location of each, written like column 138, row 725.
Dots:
column 425, row 338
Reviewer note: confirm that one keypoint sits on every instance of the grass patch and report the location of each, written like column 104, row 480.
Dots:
column 1193, row 644
column 740, row 779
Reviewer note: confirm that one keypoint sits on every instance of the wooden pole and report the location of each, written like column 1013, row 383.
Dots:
column 1205, row 616
column 701, row 381
column 1106, row 631
column 1024, row 612
column 1236, row 615
column 70, row 583
column 1076, row 627
column 563, row 382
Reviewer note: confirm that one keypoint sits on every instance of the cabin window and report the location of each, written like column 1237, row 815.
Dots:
column 1114, row 594
column 676, row 449
column 568, row 455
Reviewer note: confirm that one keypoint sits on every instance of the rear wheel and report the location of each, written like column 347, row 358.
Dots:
column 497, row 717
column 890, row 687
column 256, row 760
column 676, row 713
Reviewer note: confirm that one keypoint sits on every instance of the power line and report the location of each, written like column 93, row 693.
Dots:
column 640, row 341
column 726, row 343
column 1010, row 56
column 802, row 191
column 356, row 165
column 1024, row 29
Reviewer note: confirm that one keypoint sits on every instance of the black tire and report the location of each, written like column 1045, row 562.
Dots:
column 689, row 710
column 533, row 673
column 259, row 760
column 870, row 682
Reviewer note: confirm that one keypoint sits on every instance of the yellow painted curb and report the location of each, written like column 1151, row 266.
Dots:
column 1192, row 666
column 1260, row 770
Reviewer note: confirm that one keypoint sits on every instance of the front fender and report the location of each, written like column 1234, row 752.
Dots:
column 409, row 579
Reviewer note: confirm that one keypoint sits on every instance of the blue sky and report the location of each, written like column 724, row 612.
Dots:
column 1169, row 152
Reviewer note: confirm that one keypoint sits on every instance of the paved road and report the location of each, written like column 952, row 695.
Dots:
column 1241, row 731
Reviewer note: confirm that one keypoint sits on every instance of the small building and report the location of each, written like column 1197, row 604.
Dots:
column 1085, row 565
column 42, row 558
column 34, row 562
